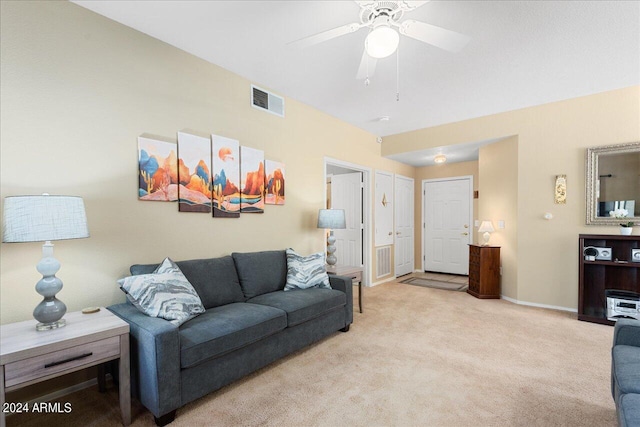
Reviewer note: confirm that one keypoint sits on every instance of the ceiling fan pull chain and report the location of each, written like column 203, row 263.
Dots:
column 366, row 81
column 398, row 73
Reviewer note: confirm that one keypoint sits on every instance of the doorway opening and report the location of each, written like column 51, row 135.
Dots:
column 347, row 187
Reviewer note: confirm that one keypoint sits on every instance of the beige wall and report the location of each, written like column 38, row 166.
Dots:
column 446, row 170
column 498, row 170
column 77, row 90
column 552, row 139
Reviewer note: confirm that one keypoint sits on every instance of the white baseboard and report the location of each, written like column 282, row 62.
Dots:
column 534, row 304
column 391, row 279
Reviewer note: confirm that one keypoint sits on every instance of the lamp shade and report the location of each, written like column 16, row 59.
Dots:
column 43, row 218
column 333, row 219
column 486, row 226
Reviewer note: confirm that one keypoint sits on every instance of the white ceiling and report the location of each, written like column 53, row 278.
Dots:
column 521, row 53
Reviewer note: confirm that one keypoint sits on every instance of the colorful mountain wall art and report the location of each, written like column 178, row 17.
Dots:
column 226, row 177
column 274, row 183
column 251, row 180
column 194, row 173
column 157, row 170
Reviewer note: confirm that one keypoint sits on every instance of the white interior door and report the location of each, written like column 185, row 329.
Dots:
column 404, row 225
column 346, row 193
column 447, row 222
column 384, row 209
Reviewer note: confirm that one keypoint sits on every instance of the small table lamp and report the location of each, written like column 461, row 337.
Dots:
column 333, row 219
column 45, row 218
column 487, row 228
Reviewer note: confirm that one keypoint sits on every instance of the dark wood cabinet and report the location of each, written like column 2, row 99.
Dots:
column 484, row 271
column 596, row 276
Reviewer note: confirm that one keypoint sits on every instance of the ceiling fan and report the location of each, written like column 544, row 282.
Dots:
column 382, row 18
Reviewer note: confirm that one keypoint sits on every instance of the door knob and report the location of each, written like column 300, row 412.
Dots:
column 398, row 233
column 465, row 234
column 390, row 233
column 466, row 226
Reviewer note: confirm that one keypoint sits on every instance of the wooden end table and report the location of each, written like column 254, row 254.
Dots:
column 355, row 273
column 28, row 356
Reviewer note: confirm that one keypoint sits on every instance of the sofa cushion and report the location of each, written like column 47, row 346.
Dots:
column 626, row 368
column 261, row 272
column 214, row 279
column 629, row 410
column 304, row 272
column 223, row 329
column 302, row 305
column 164, row 293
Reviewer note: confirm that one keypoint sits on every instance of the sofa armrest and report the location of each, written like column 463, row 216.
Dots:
column 344, row 284
column 155, row 359
column 627, row 332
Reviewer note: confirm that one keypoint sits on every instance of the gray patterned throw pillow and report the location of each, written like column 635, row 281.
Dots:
column 306, row 272
column 165, row 293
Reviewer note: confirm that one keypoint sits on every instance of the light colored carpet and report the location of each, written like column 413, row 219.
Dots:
column 415, row 357
column 436, row 284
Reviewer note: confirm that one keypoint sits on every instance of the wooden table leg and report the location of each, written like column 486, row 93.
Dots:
column 124, row 378
column 360, row 296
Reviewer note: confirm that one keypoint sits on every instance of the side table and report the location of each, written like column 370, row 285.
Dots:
column 484, row 271
column 28, row 356
column 354, row 273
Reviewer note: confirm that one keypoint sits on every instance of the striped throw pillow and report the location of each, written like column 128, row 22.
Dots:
column 306, row 272
column 165, row 293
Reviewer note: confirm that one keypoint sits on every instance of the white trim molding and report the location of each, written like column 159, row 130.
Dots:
column 535, row 304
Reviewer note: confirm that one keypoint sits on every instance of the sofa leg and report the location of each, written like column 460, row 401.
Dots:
column 165, row 419
column 346, row 328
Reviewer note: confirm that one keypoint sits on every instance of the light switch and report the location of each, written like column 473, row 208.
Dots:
column 501, row 224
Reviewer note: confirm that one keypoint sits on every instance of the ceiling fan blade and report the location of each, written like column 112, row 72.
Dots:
column 326, row 35
column 436, row 36
column 410, row 5
column 367, row 63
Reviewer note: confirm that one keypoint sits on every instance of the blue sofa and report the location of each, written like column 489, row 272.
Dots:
column 625, row 372
column 249, row 323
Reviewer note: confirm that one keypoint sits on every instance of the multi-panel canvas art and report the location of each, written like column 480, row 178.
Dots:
column 194, row 173
column 157, row 170
column 226, row 177
column 251, row 180
column 274, row 183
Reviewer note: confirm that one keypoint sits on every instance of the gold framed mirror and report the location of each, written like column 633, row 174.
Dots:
column 613, row 182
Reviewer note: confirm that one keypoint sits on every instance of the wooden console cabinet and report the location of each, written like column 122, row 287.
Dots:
column 484, row 271
column 620, row 273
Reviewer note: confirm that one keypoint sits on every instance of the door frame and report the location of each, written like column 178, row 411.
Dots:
column 413, row 199
column 423, row 228
column 366, row 210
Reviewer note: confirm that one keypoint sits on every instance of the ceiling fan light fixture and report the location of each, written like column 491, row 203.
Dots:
column 382, row 42
column 440, row 158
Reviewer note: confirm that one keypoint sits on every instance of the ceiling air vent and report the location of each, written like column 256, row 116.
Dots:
column 267, row 101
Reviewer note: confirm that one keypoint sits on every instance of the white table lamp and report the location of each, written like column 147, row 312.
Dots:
column 332, row 219
column 487, row 228
column 45, row 218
